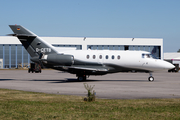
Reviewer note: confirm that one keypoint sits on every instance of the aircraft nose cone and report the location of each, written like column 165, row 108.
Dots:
column 169, row 66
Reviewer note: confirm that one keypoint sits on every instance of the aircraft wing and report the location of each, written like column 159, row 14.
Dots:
column 90, row 68
column 83, row 68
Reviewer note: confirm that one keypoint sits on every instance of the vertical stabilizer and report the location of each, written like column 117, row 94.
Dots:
column 32, row 43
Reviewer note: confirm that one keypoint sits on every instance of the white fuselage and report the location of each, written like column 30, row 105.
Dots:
column 126, row 59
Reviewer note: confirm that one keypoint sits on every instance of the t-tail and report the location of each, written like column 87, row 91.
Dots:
column 31, row 42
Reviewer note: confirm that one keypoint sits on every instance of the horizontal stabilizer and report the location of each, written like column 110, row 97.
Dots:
column 20, row 30
column 21, row 35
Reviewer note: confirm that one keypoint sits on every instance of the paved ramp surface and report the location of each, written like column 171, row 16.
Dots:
column 112, row 86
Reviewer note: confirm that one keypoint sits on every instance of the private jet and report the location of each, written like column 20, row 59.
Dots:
column 84, row 63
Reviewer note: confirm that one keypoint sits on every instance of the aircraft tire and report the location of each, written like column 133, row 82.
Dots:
column 151, row 79
column 80, row 78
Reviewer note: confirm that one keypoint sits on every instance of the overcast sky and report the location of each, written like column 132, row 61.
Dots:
column 96, row 18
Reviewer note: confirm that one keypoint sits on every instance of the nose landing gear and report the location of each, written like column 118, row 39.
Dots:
column 151, row 78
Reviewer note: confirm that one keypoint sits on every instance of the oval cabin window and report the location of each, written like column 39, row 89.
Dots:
column 87, row 56
column 100, row 56
column 106, row 56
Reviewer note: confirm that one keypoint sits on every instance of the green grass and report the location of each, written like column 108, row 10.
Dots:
column 19, row 105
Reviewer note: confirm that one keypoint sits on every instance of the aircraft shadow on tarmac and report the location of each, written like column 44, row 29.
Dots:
column 5, row 79
column 70, row 80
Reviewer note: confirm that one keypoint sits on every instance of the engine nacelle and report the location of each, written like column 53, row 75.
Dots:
column 59, row 59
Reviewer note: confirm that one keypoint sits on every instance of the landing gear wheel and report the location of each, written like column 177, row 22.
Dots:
column 151, row 79
column 82, row 78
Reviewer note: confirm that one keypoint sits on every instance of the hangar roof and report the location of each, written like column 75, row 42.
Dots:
column 90, row 41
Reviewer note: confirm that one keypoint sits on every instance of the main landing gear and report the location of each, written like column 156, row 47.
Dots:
column 81, row 77
column 151, row 78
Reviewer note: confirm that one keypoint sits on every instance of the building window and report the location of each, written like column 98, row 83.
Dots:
column 100, row 47
column 156, row 51
column 126, row 47
column 13, row 56
column 105, row 47
column 136, row 48
column 111, row 47
column 117, row 47
column 131, row 47
column 147, row 48
column 6, row 63
column 141, row 48
column 78, row 47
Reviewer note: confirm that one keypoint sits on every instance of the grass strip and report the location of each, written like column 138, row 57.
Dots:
column 20, row 105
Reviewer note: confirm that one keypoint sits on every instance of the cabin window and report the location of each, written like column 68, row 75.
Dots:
column 153, row 56
column 149, row 56
column 107, row 56
column 100, row 56
column 87, row 56
column 145, row 55
column 112, row 56
column 118, row 57
column 94, row 56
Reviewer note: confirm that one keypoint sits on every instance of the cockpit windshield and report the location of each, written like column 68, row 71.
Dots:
column 148, row 56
